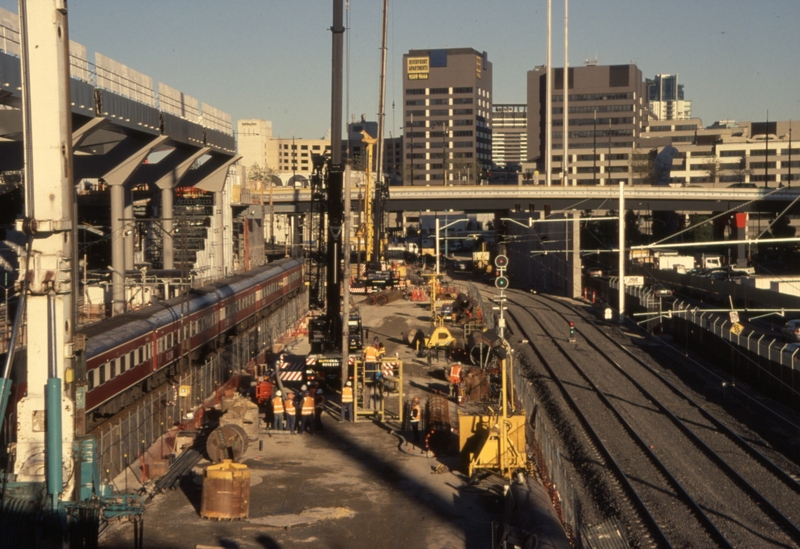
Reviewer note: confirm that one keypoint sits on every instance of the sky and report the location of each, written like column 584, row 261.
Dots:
column 271, row 59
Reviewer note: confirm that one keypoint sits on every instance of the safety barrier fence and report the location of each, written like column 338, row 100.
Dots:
column 484, row 305
column 546, row 452
column 758, row 355
column 129, row 438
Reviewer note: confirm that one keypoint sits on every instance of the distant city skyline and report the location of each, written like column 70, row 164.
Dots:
column 272, row 60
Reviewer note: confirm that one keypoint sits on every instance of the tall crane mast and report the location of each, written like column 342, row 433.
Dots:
column 367, row 228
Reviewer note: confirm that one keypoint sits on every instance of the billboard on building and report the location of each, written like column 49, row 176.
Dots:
column 418, row 68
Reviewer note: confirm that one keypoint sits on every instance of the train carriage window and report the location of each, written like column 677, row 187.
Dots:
column 170, row 339
column 90, row 378
column 103, row 368
column 140, row 356
column 113, row 371
column 131, row 360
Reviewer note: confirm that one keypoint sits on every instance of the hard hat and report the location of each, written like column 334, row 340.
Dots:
column 278, row 393
column 319, row 391
column 304, row 388
column 348, row 384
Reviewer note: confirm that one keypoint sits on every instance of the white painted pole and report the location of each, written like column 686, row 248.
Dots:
column 621, row 251
column 548, row 147
column 437, row 248
column 565, row 155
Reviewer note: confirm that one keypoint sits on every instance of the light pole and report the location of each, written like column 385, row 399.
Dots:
column 437, row 237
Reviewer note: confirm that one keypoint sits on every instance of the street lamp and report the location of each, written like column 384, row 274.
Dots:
column 437, row 238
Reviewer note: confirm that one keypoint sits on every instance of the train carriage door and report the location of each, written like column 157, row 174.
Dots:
column 154, row 351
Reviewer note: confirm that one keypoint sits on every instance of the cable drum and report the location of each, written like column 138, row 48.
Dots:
column 480, row 345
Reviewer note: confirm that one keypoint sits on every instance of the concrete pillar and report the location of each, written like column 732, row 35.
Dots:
column 219, row 234
column 167, row 227
column 575, row 256
column 128, row 228
column 116, row 179
column 740, row 222
column 117, row 249
column 167, row 184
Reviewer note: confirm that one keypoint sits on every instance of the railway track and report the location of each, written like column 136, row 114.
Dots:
column 688, row 479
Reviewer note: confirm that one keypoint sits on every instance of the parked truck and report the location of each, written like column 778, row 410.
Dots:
column 710, row 261
column 681, row 263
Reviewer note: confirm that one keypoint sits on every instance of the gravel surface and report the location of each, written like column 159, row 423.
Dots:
column 741, row 519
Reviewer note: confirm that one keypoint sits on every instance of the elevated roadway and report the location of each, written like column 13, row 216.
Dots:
column 529, row 197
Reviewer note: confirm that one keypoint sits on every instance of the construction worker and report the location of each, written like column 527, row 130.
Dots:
column 455, row 379
column 298, row 406
column 307, row 414
column 319, row 407
column 291, row 411
column 347, row 401
column 416, row 415
column 371, row 369
column 277, row 411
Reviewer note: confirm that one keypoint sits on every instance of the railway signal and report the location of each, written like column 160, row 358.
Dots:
column 571, row 332
column 501, row 262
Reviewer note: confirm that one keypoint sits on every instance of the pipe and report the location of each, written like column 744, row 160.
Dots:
column 5, row 381
column 53, row 437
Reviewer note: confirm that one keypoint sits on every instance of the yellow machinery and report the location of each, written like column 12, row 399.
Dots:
column 367, row 229
column 495, row 441
column 441, row 338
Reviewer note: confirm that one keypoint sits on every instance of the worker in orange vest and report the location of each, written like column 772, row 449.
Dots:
column 307, row 414
column 347, row 401
column 277, row 411
column 455, row 379
column 291, row 411
column 416, row 415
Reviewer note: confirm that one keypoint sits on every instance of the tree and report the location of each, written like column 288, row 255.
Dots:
column 711, row 167
column 643, row 166
column 741, row 171
column 255, row 173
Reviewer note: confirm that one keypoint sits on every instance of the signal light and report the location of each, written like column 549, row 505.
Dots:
column 501, row 262
column 571, row 331
column 501, row 282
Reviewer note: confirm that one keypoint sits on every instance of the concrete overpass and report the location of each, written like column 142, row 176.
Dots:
column 532, row 197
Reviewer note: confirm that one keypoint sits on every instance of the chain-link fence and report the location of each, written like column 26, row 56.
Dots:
column 130, row 437
column 545, row 451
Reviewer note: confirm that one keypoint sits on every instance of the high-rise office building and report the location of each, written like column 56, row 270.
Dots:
column 666, row 98
column 509, row 135
column 607, row 111
column 446, row 116
column 253, row 142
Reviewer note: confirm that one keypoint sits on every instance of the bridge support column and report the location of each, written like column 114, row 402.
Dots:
column 117, row 179
column 167, row 184
column 117, row 249
column 742, row 253
column 128, row 228
column 219, row 235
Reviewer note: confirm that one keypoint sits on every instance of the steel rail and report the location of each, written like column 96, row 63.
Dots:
column 781, row 520
column 703, row 519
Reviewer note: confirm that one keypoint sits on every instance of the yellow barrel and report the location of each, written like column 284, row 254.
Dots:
column 226, row 491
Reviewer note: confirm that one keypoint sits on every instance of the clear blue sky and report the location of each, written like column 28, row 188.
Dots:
column 271, row 59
